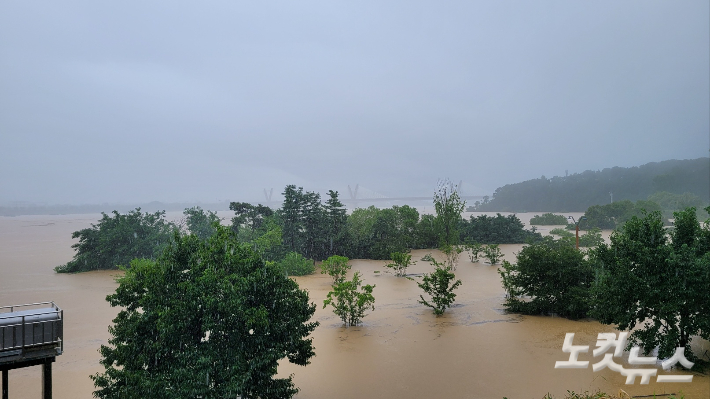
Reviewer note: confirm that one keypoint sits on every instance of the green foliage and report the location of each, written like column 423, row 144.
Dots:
column 200, row 223
column 562, row 233
column 376, row 233
column 400, row 263
column 334, row 224
column 360, row 228
column 394, row 230
column 590, row 239
column 579, row 191
column 294, row 264
column 207, row 319
column 248, row 219
column 269, row 239
column 427, row 237
column 548, row 219
column 349, row 302
column 655, row 283
column 440, row 285
column 336, row 267
column 452, row 253
column 676, row 202
column 493, row 253
column 612, row 215
column 117, row 240
column 449, row 206
column 476, row 249
column 496, row 230
column 548, row 277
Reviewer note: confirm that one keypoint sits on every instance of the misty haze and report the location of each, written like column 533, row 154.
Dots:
column 482, row 177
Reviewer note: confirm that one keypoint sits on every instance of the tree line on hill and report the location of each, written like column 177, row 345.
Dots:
column 577, row 192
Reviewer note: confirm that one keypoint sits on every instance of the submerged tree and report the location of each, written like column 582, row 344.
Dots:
column 449, row 206
column 118, row 239
column 206, row 319
column 549, row 276
column 349, row 302
column 336, row 267
column 400, row 263
column 656, row 283
column 440, row 285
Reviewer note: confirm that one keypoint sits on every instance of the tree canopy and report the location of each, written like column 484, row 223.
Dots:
column 549, row 276
column 118, row 239
column 207, row 319
column 449, row 206
column 201, row 223
column 656, row 282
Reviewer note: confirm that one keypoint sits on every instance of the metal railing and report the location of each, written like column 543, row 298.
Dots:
column 25, row 328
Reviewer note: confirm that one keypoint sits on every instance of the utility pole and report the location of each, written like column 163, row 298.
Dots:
column 576, row 228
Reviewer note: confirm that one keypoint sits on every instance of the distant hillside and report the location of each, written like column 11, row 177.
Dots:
column 577, row 192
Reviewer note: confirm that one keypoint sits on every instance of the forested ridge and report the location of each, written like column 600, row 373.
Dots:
column 579, row 191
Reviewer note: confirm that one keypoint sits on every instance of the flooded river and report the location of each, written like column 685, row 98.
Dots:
column 475, row 350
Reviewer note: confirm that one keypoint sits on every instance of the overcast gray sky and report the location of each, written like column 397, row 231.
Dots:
column 181, row 101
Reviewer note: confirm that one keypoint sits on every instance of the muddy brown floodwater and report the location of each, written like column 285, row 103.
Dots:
column 475, row 350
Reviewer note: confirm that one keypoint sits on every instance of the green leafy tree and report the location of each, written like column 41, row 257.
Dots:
column 291, row 213
column 269, row 240
column 118, row 239
column 248, row 219
column 336, row 267
column 394, row 230
column 201, row 223
column 440, row 285
column 304, row 223
column 493, row 253
column 349, row 302
column 315, row 222
column 294, row 264
column 449, row 206
column 497, row 229
column 360, row 230
column 562, row 233
column 206, row 319
column 549, row 277
column 335, row 223
column 610, row 216
column 452, row 253
column 590, row 239
column 548, row 219
column 427, row 236
column 475, row 251
column 655, row 283
column 400, row 263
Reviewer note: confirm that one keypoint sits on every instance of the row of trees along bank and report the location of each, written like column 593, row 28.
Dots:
column 304, row 225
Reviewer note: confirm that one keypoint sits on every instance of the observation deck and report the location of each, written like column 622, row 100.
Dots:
column 31, row 335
